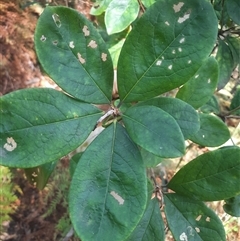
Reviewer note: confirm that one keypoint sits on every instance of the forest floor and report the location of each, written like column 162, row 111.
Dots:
column 41, row 214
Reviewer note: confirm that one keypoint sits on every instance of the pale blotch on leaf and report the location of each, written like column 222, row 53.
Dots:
column 80, row 58
column 208, row 219
column 71, row 45
column 170, row 66
column 10, row 145
column 184, row 18
column 189, row 61
column 203, row 136
column 104, row 57
column 182, row 40
column 54, row 42
column 197, row 229
column 183, row 237
column 167, row 23
column 209, row 81
column 86, row 31
column 177, row 7
column 199, row 217
column 180, row 49
column 117, row 197
column 92, row 44
column 56, row 20
column 174, row 51
column 196, row 76
column 43, row 38
column 159, row 62
column 34, row 174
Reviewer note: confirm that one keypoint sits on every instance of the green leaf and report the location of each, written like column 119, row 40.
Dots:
column 99, row 7
column 41, row 125
column 199, row 89
column 74, row 55
column 154, row 130
column 233, row 9
column 232, row 206
column 165, row 48
column 148, row 3
column 235, row 104
column 213, row 131
column 151, row 226
column 225, row 63
column 149, row 159
column 234, row 45
column 38, row 176
column 191, row 220
column 120, row 14
column 212, row 176
column 184, row 114
column 109, row 183
column 212, row 106
column 115, row 52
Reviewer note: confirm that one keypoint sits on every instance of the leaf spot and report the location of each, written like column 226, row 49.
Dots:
column 197, row 229
column 199, row 217
column 54, row 42
column 167, row 23
column 80, row 58
column 196, row 76
column 170, row 66
column 71, row 45
column 182, row 40
column 10, row 145
column 104, row 57
column 117, row 197
column 162, row 57
column 177, row 7
column 180, row 49
column 174, row 51
column 208, row 219
column 189, row 61
column 159, row 62
column 56, row 20
column 184, row 18
column 34, row 174
column 86, row 31
column 209, row 81
column 190, row 231
column 43, row 38
column 183, row 237
column 92, row 44
column 203, row 136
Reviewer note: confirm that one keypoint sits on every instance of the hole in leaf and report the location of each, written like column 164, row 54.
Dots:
column 43, row 38
column 56, row 20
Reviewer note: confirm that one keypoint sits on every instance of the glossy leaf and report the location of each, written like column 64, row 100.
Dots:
column 74, row 55
column 41, row 125
column 232, row 206
column 212, row 106
column 38, row 176
column 199, row 89
column 212, row 176
column 191, row 220
column 184, row 114
column 165, row 48
column 213, row 131
column 154, row 130
column 151, row 226
column 225, row 63
column 148, row 3
column 233, row 9
column 235, row 104
column 108, row 185
column 120, row 14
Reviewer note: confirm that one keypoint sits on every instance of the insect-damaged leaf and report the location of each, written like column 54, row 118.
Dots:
column 192, row 220
column 165, row 48
column 184, row 114
column 212, row 132
column 212, row 176
column 151, row 226
column 41, row 125
column 200, row 88
column 120, row 14
column 108, row 185
column 154, row 130
column 74, row 55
